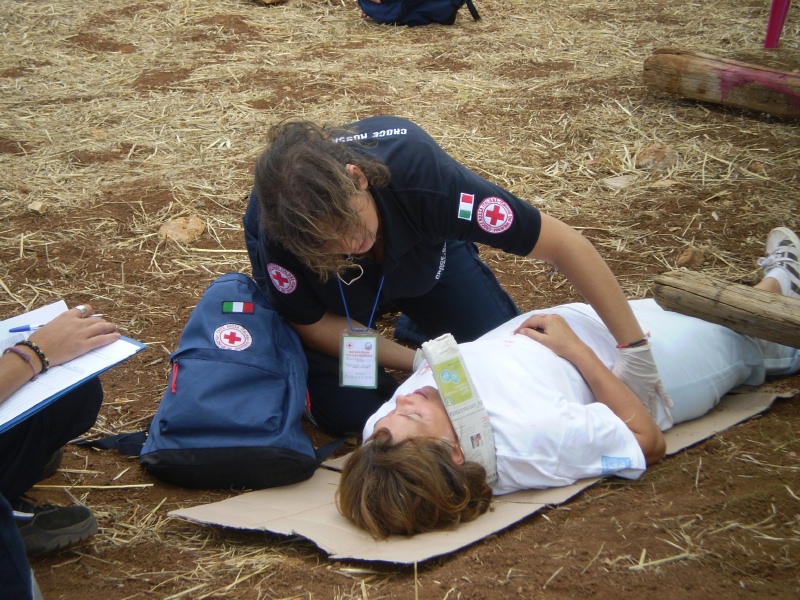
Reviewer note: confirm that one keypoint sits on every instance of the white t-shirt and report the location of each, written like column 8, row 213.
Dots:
column 548, row 430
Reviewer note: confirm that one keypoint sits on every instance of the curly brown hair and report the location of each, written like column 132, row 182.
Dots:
column 305, row 191
column 410, row 487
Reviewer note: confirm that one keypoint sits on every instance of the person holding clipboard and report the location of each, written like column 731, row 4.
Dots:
column 31, row 449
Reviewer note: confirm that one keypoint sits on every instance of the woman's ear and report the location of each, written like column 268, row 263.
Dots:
column 358, row 177
column 457, row 453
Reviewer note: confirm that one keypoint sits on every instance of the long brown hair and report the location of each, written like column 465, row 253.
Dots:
column 305, row 191
column 409, row 488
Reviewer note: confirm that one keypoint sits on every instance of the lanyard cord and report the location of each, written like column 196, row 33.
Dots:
column 374, row 308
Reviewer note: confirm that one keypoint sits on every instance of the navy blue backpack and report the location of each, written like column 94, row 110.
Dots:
column 416, row 12
column 231, row 413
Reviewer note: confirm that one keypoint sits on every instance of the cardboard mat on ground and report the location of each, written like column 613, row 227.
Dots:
column 308, row 509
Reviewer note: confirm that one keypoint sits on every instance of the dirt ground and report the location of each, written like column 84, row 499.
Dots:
column 118, row 116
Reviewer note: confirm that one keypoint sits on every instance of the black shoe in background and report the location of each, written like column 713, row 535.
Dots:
column 47, row 528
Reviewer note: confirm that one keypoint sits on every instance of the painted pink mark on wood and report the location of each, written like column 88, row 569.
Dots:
column 733, row 77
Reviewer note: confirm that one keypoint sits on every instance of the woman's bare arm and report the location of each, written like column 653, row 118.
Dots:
column 553, row 332
column 325, row 336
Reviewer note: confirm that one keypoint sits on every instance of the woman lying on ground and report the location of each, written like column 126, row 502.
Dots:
column 557, row 412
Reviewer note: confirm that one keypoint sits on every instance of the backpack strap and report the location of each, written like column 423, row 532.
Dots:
column 473, row 11
column 324, row 451
column 127, row 444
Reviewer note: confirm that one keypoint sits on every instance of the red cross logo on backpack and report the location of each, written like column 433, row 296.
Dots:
column 232, row 337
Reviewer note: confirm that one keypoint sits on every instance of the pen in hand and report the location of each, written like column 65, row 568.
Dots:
column 22, row 328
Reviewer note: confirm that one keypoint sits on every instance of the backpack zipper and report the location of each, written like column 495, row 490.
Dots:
column 174, row 384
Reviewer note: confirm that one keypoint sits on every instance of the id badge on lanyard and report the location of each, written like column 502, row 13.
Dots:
column 358, row 359
column 358, row 352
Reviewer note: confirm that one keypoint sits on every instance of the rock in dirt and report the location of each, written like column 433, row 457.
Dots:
column 183, row 230
column 37, row 207
column 691, row 258
column 657, row 157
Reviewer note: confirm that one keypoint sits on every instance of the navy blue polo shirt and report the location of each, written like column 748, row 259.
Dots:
column 430, row 200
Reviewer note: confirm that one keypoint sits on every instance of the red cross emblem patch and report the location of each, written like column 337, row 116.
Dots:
column 232, row 337
column 282, row 279
column 494, row 215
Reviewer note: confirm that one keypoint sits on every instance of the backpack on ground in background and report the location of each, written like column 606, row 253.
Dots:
column 231, row 413
column 416, row 12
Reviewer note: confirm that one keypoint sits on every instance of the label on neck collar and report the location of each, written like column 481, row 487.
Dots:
column 464, row 406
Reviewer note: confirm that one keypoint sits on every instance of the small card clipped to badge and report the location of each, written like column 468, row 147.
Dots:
column 464, row 406
column 358, row 365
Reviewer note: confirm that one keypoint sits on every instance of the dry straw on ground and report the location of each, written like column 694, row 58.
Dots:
column 119, row 116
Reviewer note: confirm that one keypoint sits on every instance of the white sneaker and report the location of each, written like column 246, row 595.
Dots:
column 783, row 250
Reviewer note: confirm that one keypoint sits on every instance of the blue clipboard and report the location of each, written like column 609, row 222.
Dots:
column 47, row 388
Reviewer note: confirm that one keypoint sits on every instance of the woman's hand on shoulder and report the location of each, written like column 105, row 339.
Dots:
column 71, row 335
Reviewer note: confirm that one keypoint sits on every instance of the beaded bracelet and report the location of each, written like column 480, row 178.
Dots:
column 24, row 356
column 39, row 353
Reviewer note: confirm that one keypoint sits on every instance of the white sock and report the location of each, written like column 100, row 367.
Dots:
column 782, row 277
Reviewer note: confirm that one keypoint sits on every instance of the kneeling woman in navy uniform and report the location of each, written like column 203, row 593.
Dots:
column 349, row 223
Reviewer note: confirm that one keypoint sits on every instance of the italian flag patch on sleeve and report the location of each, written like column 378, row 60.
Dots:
column 237, row 307
column 465, row 205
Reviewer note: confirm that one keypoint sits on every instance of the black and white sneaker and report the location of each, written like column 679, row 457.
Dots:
column 781, row 262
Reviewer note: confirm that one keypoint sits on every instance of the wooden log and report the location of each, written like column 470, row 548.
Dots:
column 724, row 81
column 739, row 307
